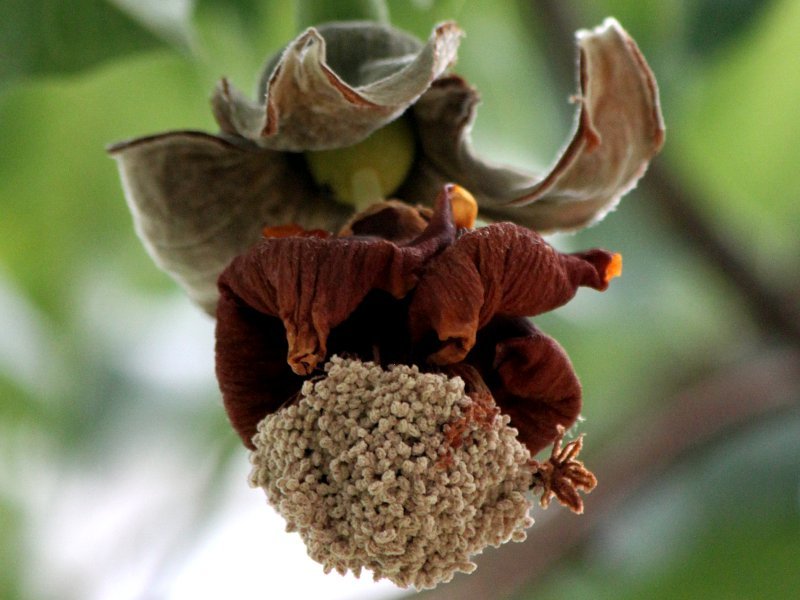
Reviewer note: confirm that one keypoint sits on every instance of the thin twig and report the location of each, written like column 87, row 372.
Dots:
column 772, row 311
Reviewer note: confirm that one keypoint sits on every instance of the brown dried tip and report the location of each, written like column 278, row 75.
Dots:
column 562, row 475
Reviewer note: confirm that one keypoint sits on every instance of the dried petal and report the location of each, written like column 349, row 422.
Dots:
column 287, row 294
column 501, row 269
column 392, row 220
column 199, row 200
column 618, row 130
column 253, row 374
column 335, row 85
column 530, row 377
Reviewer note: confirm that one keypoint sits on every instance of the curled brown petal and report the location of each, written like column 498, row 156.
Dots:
column 391, row 220
column 199, row 200
column 501, row 269
column 308, row 105
column 314, row 284
column 531, row 378
column 251, row 366
column 540, row 389
column 618, row 130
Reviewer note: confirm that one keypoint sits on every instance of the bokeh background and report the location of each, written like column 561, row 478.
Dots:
column 119, row 475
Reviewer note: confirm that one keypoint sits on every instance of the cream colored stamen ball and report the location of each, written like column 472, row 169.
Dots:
column 361, row 468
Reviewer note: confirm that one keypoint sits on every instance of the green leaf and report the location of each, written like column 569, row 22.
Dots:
column 44, row 37
column 62, row 204
column 236, row 37
column 314, row 12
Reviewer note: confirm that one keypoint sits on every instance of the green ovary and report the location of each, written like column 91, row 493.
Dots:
column 369, row 171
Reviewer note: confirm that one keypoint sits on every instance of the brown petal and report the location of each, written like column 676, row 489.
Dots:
column 251, row 364
column 335, row 85
column 314, row 284
column 540, row 389
column 199, row 200
column 391, row 220
column 618, row 130
column 501, row 269
column 530, row 377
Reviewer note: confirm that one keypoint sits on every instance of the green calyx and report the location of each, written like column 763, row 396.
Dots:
column 369, row 171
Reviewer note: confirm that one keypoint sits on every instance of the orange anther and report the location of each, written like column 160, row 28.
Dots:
column 614, row 268
column 465, row 209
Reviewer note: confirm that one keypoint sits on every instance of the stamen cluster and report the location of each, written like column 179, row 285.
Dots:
column 364, row 466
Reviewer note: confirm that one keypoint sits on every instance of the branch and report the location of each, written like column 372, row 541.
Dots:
column 772, row 311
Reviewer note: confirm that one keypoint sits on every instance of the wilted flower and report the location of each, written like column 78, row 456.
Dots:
column 375, row 355
column 289, row 302
column 405, row 471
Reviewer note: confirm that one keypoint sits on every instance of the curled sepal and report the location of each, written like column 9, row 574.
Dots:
column 199, row 200
column 562, row 475
column 336, row 84
column 501, row 269
column 618, row 130
column 313, row 284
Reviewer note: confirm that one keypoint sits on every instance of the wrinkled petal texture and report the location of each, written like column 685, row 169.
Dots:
column 498, row 270
column 530, row 377
column 252, row 371
column 308, row 105
column 199, row 200
column 472, row 298
column 314, row 284
column 448, row 300
column 618, row 130
column 280, row 300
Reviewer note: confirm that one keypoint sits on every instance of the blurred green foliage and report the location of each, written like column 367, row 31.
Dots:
column 48, row 37
column 699, row 532
column 80, row 297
